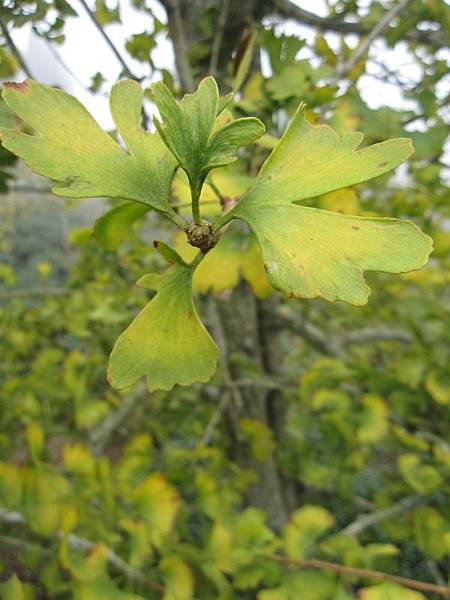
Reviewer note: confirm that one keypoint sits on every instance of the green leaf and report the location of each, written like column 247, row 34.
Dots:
column 84, row 160
column 166, row 342
column 157, row 501
column 430, row 529
column 178, row 579
column 12, row 589
column 390, row 591
column 312, row 253
column 307, row 524
column 113, row 227
column 424, row 479
column 187, row 129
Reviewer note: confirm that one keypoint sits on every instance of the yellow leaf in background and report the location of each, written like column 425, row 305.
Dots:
column 178, row 579
column 236, row 255
column 35, row 439
column 44, row 269
column 390, row 591
column 438, row 386
column 303, row 530
column 374, row 421
column 157, row 501
column 79, row 460
column 344, row 201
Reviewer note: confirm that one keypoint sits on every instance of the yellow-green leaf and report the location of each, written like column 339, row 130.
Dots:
column 113, row 227
column 166, row 342
column 70, row 147
column 390, row 591
column 312, row 253
column 178, row 579
column 307, row 524
column 157, row 501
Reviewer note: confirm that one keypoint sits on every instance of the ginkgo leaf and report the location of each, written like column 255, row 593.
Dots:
column 187, row 129
column 113, row 227
column 166, row 342
column 85, row 161
column 312, row 253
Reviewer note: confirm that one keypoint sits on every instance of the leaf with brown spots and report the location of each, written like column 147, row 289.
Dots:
column 311, row 253
column 70, row 148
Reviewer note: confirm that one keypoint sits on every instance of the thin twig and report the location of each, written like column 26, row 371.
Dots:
column 377, row 516
column 215, row 419
column 366, row 573
column 100, row 436
column 359, row 52
column 217, row 43
column 14, row 49
column 374, row 334
column 79, row 543
column 108, row 41
column 180, row 45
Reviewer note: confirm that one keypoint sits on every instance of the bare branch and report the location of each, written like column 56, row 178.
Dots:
column 108, row 40
column 373, row 334
column 180, row 45
column 377, row 516
column 14, row 49
column 218, row 37
column 289, row 10
column 366, row 573
column 79, row 543
column 345, row 68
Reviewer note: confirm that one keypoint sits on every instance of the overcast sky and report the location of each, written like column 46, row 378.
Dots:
column 85, row 52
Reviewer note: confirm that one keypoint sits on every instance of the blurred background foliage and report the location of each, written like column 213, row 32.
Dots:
column 324, row 434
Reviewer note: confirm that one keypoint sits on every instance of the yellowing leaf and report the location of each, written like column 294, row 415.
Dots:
column 374, row 421
column 343, row 201
column 157, row 501
column 425, row 479
column 390, row 591
column 84, row 160
column 236, row 254
column 438, row 385
column 166, row 342
column 430, row 529
column 306, row 525
column 312, row 253
column 178, row 579
column 113, row 227
column 12, row 589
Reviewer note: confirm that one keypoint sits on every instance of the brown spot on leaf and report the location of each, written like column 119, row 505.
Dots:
column 384, row 163
column 19, row 87
column 355, row 226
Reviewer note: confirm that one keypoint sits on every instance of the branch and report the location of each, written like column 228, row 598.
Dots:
column 373, row 334
column 344, row 69
column 377, row 516
column 218, row 37
column 366, row 573
column 14, row 49
column 78, row 543
column 289, row 10
column 180, row 45
column 99, row 436
column 108, row 40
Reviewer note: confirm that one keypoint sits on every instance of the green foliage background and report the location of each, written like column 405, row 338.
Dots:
column 123, row 495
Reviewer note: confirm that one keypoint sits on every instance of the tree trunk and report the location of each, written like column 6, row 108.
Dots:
column 241, row 323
